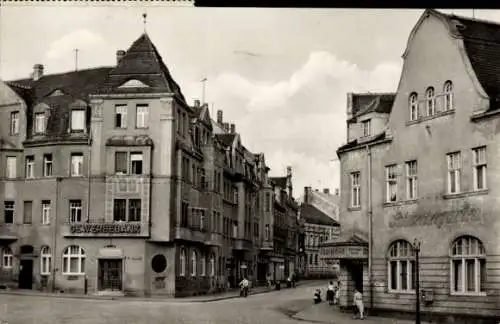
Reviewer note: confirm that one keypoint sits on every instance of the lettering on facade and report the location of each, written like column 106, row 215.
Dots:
column 106, row 228
column 350, row 252
column 464, row 214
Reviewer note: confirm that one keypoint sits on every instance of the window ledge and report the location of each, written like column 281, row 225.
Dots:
column 469, row 294
column 402, row 292
column 426, row 118
column 466, row 194
column 73, row 274
column 400, row 203
column 354, row 208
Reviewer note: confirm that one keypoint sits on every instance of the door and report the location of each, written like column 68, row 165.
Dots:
column 110, row 274
column 26, row 274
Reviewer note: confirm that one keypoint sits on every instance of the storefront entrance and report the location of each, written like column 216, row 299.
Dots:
column 26, row 267
column 110, row 274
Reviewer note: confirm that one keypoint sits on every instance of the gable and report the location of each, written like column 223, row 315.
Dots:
column 57, row 92
column 133, row 83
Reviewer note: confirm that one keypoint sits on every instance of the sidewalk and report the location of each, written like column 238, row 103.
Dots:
column 324, row 313
column 232, row 293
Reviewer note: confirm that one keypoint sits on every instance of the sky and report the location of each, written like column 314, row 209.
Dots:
column 280, row 75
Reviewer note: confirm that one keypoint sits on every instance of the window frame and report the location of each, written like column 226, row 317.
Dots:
column 478, row 163
column 448, row 96
column 10, row 209
column 399, row 258
column 74, row 114
column 76, row 205
column 81, row 256
column 367, row 127
column 7, row 257
column 194, row 263
column 11, row 168
column 48, row 165
column 479, row 256
column 14, row 127
column 411, row 180
column 46, row 211
column 212, row 265
column 455, row 170
column 72, row 170
column 144, row 116
column 430, row 101
column 45, row 261
column 39, row 128
column 182, row 262
column 391, row 183
column 413, row 105
column 355, row 189
column 123, row 116
column 29, row 170
column 203, row 262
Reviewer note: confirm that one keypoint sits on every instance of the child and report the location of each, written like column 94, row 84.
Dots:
column 317, row 296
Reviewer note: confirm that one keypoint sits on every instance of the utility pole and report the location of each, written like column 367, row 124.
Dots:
column 76, row 59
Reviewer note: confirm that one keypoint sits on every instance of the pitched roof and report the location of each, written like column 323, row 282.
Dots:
column 482, row 44
column 312, row 215
column 142, row 62
column 226, row 139
column 279, row 181
column 364, row 103
column 355, row 142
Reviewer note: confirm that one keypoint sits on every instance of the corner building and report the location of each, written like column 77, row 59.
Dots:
column 113, row 184
column 425, row 169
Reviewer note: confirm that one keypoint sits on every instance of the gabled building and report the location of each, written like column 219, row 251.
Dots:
column 112, row 183
column 427, row 173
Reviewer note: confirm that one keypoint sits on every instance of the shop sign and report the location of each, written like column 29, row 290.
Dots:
column 118, row 228
column 350, row 252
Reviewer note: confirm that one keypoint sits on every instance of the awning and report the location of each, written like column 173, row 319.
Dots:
column 110, row 253
column 347, row 247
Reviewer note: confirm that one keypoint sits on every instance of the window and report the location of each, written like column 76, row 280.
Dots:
column 367, row 129
column 119, row 210
column 212, row 265
column 78, row 120
column 46, row 209
column 121, row 116
column 193, row 263
column 413, row 106
column 28, row 212
column 134, row 210
column 468, row 265
column 121, row 163
column 75, row 211
column 7, row 257
column 184, row 214
column 453, row 172
column 76, row 164
column 401, row 266
column 267, row 232
column 268, row 202
column 73, row 260
column 136, row 163
column 39, row 125
column 391, row 183
column 202, row 219
column 47, row 165
column 9, row 208
column 11, row 167
column 235, row 229
column 45, row 261
column 182, row 257
column 429, row 101
column 448, row 95
column 30, row 167
column 411, row 180
column 203, row 262
column 479, row 165
column 14, row 123
column 355, row 189
column 142, row 116
column 315, row 259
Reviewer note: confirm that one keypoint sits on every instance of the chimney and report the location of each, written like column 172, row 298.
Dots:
column 226, row 127
column 288, row 171
column 233, row 128
column 336, row 192
column 326, row 191
column 197, row 103
column 119, row 55
column 37, row 71
column 307, row 193
column 219, row 117
column 349, row 105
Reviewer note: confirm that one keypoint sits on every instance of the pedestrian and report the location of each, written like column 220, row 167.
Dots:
column 358, row 302
column 268, row 280
column 336, row 294
column 317, row 296
column 244, row 287
column 330, row 293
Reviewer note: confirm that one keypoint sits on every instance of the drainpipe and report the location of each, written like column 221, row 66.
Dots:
column 89, row 164
column 56, row 234
column 370, row 223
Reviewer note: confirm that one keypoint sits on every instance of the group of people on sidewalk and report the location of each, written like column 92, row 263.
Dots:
column 332, row 297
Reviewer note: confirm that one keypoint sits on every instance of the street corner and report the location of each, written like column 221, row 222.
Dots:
column 318, row 313
column 292, row 307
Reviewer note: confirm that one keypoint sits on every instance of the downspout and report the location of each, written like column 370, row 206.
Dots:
column 56, row 227
column 89, row 164
column 370, row 223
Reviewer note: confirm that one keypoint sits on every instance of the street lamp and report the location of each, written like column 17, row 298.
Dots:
column 416, row 247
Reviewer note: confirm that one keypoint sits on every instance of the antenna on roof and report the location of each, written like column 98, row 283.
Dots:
column 203, row 81
column 76, row 59
column 144, row 16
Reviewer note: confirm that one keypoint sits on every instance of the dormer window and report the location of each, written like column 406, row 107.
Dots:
column 430, row 100
column 367, row 127
column 77, row 120
column 39, row 123
column 448, row 95
column 413, row 106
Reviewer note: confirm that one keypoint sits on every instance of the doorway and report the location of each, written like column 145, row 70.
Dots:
column 110, row 274
column 357, row 276
column 26, row 274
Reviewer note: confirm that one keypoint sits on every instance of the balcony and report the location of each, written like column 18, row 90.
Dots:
column 128, row 183
column 242, row 244
column 111, row 229
column 266, row 246
column 190, row 234
column 214, row 239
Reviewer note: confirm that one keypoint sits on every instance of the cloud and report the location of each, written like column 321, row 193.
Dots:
column 81, row 38
column 299, row 121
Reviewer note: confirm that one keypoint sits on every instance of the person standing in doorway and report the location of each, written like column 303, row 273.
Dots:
column 358, row 302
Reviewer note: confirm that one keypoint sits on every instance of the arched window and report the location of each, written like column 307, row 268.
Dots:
column 401, row 266
column 429, row 101
column 468, row 265
column 193, row 263
column 7, row 256
column 413, row 100
column 212, row 265
column 45, row 260
column 203, row 262
column 182, row 261
column 73, row 260
column 448, row 95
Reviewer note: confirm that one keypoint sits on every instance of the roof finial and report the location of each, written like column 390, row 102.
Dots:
column 144, row 16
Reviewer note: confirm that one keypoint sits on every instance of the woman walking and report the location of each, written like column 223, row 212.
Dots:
column 330, row 293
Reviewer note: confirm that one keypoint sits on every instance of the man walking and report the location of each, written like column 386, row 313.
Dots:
column 244, row 287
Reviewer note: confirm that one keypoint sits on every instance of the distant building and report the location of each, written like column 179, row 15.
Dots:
column 318, row 215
